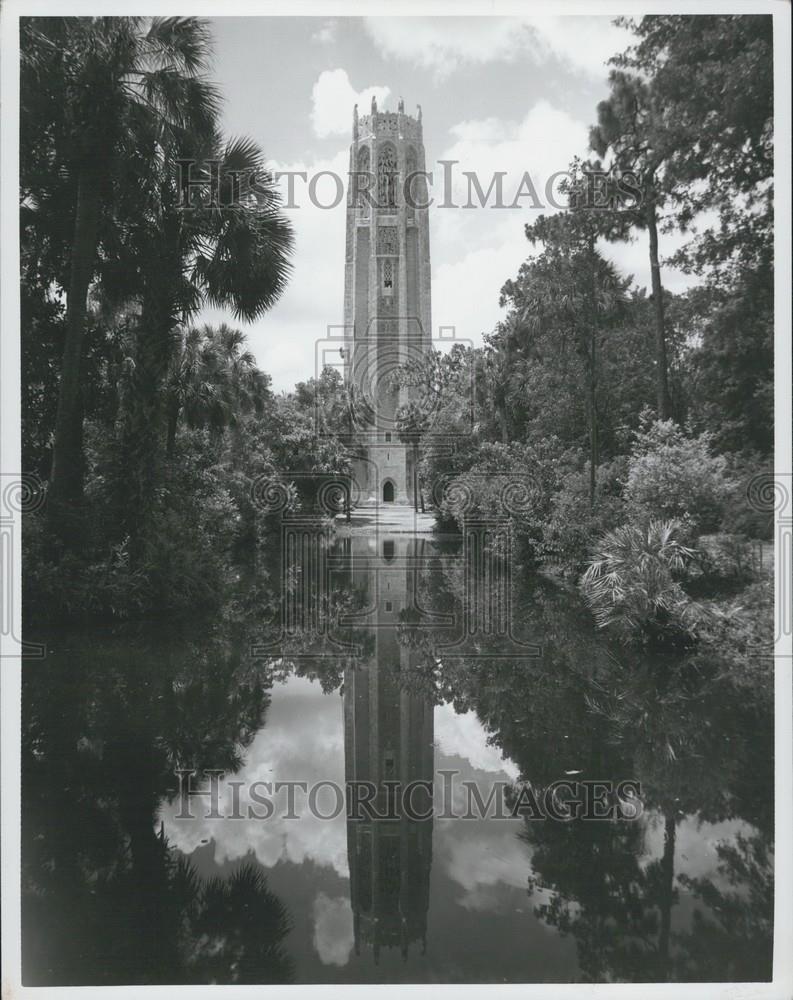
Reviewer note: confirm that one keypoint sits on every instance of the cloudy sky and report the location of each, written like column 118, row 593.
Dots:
column 497, row 94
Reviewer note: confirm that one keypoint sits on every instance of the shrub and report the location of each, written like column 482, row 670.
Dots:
column 182, row 562
column 749, row 504
column 514, row 483
column 736, row 638
column 62, row 584
column 674, row 477
column 573, row 523
column 630, row 583
column 722, row 560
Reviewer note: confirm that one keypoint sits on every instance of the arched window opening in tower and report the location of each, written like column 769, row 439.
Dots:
column 386, row 176
column 363, row 181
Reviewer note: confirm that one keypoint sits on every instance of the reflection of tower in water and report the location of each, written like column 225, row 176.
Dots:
column 388, row 737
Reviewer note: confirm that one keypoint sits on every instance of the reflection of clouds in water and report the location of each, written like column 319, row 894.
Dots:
column 695, row 845
column 333, row 929
column 491, row 853
column 302, row 740
column 483, row 857
column 465, row 736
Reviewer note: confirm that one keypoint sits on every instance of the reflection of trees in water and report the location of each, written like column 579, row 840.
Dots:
column 620, row 912
column 599, row 893
column 105, row 725
column 734, row 938
column 303, row 631
column 700, row 745
column 104, row 899
column 236, row 926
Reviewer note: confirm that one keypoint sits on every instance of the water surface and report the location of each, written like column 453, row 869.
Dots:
column 393, row 658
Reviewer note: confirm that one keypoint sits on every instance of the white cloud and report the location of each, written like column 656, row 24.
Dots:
column 476, row 250
column 326, row 35
column 485, row 858
column 445, row 44
column 542, row 145
column 333, row 98
column 584, row 43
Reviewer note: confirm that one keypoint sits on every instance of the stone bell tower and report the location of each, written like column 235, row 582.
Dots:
column 386, row 290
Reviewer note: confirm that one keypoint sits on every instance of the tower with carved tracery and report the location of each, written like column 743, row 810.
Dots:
column 386, row 289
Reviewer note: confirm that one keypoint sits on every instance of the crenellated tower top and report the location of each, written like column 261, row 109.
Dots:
column 387, row 124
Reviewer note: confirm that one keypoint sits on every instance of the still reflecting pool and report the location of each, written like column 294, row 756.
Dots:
column 390, row 660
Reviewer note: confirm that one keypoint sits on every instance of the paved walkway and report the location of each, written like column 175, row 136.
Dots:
column 385, row 518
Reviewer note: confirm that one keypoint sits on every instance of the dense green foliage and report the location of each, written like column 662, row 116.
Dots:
column 631, row 581
column 594, row 405
column 608, row 408
column 155, row 437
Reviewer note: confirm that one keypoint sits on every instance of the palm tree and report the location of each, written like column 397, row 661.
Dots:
column 630, row 582
column 102, row 82
column 211, row 380
column 232, row 250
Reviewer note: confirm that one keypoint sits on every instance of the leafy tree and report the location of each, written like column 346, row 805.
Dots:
column 677, row 477
column 95, row 85
column 411, row 423
column 729, row 368
column 212, row 380
column 713, row 76
column 572, row 290
column 452, row 392
column 635, row 127
column 304, row 453
column 230, row 251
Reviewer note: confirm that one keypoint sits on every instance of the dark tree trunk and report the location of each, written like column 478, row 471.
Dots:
column 66, row 483
column 501, row 395
column 141, row 442
column 593, row 442
column 591, row 354
column 593, row 424
column 501, row 404
column 663, row 400
column 173, row 418
column 143, row 427
column 667, row 889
